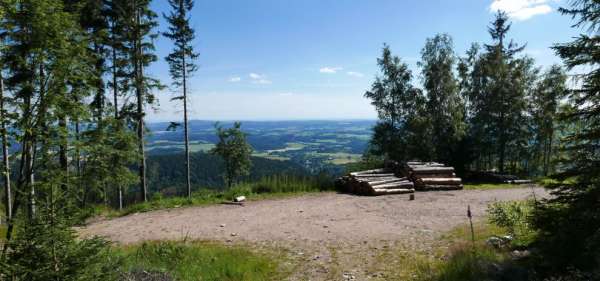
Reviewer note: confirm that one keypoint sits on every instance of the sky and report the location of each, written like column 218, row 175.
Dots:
column 314, row 59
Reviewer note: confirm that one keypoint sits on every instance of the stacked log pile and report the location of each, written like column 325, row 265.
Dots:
column 432, row 176
column 375, row 182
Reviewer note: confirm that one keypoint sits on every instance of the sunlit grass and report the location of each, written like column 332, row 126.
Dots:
column 201, row 261
column 490, row 186
column 274, row 187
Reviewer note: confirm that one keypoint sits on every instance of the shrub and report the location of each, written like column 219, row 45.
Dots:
column 47, row 249
column 515, row 217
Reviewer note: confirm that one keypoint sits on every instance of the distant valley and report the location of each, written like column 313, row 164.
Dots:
column 314, row 145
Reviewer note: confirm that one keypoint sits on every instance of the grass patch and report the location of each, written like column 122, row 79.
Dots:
column 273, row 187
column 201, row 261
column 489, row 186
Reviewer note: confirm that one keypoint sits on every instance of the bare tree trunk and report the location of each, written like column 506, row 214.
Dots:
column 78, row 164
column 115, row 87
column 5, row 161
column 185, row 126
column 63, row 150
column 138, row 65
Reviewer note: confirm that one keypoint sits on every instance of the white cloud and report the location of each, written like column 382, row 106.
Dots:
column 286, row 94
column 355, row 74
column 255, row 76
column 330, row 69
column 235, row 79
column 259, row 79
column 522, row 9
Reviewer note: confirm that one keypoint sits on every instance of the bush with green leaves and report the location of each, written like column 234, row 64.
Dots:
column 515, row 217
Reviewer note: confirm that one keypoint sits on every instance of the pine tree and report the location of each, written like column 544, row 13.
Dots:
column 569, row 222
column 496, row 96
column 181, row 64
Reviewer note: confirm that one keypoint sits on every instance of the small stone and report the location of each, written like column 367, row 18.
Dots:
column 233, row 234
column 222, row 225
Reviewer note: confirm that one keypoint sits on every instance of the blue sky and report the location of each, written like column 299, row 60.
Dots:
column 314, row 59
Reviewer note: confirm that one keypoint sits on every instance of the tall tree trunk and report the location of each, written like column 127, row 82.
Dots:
column 115, row 87
column 138, row 64
column 185, row 126
column 6, row 163
column 78, row 164
column 63, row 151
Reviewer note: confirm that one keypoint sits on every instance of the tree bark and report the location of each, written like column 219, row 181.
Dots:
column 185, row 126
column 138, row 65
column 5, row 161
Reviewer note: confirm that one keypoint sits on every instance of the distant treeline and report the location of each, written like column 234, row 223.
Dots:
column 165, row 172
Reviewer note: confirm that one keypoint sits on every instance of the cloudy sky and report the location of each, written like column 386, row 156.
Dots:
column 314, row 59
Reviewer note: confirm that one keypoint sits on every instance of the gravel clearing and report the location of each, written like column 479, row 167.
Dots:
column 326, row 217
column 325, row 236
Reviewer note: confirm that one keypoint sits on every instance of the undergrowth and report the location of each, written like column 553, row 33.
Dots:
column 199, row 261
column 266, row 188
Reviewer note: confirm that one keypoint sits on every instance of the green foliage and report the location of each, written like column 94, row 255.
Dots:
column 467, row 264
column 488, row 186
column 235, row 151
column 49, row 249
column 496, row 83
column 181, row 64
column 515, row 217
column 545, row 109
column 444, row 106
column 569, row 222
column 201, row 261
column 265, row 188
column 400, row 106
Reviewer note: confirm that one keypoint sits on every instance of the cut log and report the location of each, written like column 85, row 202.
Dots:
column 433, row 170
column 404, row 184
column 392, row 191
column 386, row 181
column 376, row 179
column 431, row 187
column 440, row 181
column 373, row 175
column 375, row 171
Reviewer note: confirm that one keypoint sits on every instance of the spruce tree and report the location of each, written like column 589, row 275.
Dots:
column 569, row 222
column 497, row 98
column 181, row 65
column 138, row 24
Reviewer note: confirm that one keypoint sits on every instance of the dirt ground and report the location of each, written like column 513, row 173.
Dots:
column 335, row 233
